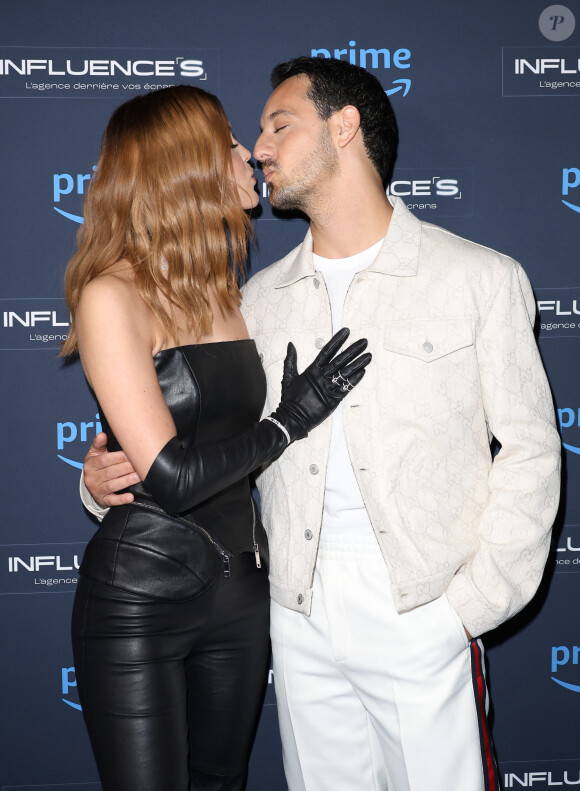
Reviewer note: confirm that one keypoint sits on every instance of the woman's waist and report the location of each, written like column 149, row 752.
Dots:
column 230, row 518
column 234, row 500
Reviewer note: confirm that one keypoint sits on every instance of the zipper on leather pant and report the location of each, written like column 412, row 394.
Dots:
column 255, row 543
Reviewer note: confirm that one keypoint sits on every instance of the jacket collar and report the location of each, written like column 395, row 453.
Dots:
column 398, row 255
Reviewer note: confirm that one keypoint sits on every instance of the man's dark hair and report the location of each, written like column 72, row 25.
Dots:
column 336, row 83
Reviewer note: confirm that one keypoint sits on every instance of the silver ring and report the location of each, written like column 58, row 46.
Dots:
column 342, row 382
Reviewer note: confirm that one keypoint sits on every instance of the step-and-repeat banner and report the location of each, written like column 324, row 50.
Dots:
column 487, row 96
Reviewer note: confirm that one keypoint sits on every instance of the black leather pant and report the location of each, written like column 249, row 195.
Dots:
column 172, row 692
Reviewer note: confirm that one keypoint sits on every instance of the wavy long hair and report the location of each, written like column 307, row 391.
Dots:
column 163, row 189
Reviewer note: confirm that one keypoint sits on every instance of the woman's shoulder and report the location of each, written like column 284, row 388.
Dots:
column 112, row 303
column 114, row 288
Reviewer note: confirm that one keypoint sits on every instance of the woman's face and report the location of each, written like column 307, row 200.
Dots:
column 244, row 175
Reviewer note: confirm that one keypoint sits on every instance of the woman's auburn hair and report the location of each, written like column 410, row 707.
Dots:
column 164, row 191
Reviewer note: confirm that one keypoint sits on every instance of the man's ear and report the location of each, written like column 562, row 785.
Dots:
column 345, row 124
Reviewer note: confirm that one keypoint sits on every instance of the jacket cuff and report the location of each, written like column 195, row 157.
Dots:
column 476, row 615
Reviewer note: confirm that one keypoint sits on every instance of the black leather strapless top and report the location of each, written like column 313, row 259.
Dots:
column 213, row 391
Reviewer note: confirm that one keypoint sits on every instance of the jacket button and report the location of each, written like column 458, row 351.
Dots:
column 319, row 343
column 316, row 282
column 313, row 469
column 308, row 535
column 300, row 598
column 427, row 347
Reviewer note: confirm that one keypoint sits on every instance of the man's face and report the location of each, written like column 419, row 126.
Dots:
column 295, row 148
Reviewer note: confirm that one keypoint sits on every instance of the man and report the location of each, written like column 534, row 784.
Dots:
column 395, row 539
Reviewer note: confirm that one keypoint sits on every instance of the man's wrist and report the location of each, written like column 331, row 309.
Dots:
column 89, row 501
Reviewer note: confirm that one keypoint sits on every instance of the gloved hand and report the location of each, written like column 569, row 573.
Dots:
column 310, row 397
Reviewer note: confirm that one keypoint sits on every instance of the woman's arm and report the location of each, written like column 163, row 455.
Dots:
column 116, row 343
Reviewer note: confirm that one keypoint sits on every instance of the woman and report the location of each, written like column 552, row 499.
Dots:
column 170, row 622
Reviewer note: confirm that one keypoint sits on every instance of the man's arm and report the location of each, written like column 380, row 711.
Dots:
column 524, row 481
column 104, row 474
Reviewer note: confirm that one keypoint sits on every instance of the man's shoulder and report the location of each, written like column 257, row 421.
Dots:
column 439, row 249
column 451, row 248
column 464, row 264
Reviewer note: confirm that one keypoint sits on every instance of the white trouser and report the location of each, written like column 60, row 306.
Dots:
column 370, row 700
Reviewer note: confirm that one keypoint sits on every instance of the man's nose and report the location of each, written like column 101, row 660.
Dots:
column 262, row 149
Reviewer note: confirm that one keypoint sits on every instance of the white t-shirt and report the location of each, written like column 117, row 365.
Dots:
column 344, row 509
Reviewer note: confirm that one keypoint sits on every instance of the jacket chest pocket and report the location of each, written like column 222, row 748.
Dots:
column 428, row 340
column 430, row 365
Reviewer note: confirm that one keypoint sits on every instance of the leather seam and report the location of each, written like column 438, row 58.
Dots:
column 153, row 552
column 118, row 544
column 199, row 393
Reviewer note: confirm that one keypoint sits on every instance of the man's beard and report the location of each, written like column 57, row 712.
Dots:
column 299, row 190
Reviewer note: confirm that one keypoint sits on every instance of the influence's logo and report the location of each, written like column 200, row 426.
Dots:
column 33, row 323
column 69, row 184
column 39, row 568
column 69, row 433
column 557, row 23
column 96, row 72
column 567, row 553
column 445, row 193
column 541, row 71
column 68, row 682
column 373, row 59
column 559, row 310
column 543, row 776
column 570, row 181
column 564, row 656
column 425, row 188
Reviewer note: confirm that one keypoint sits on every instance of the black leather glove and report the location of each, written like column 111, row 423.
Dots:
column 310, row 397
column 180, row 478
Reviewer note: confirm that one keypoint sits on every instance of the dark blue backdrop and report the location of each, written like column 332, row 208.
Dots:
column 487, row 99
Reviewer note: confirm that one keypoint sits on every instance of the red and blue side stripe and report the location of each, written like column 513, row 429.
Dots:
column 490, row 772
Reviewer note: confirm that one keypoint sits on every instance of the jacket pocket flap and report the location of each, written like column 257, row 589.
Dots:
column 428, row 339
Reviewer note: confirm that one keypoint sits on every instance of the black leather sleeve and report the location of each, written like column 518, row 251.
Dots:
column 181, row 478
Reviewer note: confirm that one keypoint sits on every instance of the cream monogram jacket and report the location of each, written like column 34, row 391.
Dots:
column 455, row 361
